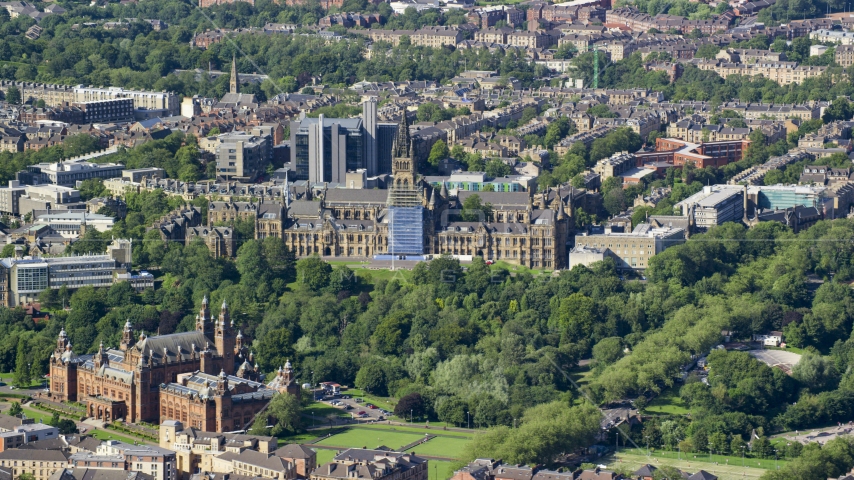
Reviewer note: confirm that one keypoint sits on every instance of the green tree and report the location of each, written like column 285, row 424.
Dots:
column 92, row 188
column 474, row 210
column 8, row 251
column 13, row 95
column 707, row 51
column 15, row 409
column 274, row 349
column 285, row 411
column 816, row 372
column 22, row 367
column 438, row 152
column 495, row 168
column 607, row 351
column 372, row 378
column 411, row 405
column 840, row 109
column 313, row 273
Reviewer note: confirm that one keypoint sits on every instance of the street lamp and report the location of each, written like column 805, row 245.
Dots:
column 775, row 460
column 468, row 420
column 742, row 455
column 647, row 444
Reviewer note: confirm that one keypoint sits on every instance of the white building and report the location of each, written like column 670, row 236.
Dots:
column 72, row 224
column 631, row 250
column 153, row 104
column 770, row 339
column 155, row 461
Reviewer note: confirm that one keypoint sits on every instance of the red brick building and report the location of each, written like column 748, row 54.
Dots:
column 129, row 382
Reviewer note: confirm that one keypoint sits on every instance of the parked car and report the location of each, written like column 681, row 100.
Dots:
column 359, row 400
column 362, row 413
column 345, row 397
column 371, row 406
column 348, row 407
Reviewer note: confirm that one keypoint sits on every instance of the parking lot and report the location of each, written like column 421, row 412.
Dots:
column 358, row 410
column 777, row 358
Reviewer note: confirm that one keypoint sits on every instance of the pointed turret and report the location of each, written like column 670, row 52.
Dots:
column 127, row 336
column 101, row 358
column 61, row 341
column 203, row 319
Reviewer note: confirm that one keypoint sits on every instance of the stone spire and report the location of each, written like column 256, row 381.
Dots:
column 234, row 85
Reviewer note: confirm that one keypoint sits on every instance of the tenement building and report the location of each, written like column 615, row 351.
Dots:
column 374, row 464
column 203, row 377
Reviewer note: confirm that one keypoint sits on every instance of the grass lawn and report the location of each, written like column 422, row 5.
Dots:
column 705, row 459
column 402, row 275
column 387, row 403
column 442, row 447
column 304, row 437
column 512, row 267
column 799, row 351
column 360, row 437
column 581, row 375
column 108, row 435
column 320, row 409
column 37, row 415
column 439, row 470
column 669, row 403
column 416, row 430
column 723, row 472
column 325, row 455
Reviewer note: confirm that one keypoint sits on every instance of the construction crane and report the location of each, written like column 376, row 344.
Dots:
column 595, row 49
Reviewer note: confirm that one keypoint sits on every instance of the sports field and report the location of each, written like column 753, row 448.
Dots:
column 442, row 447
column 373, row 438
column 724, row 470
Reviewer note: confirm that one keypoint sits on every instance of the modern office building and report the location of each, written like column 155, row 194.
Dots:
column 22, row 279
column 10, row 197
column 153, row 104
column 325, row 149
column 480, row 182
column 369, row 121
column 242, row 155
column 107, row 111
column 68, row 173
column 714, row 205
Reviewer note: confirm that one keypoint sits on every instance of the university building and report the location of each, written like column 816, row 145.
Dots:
column 414, row 219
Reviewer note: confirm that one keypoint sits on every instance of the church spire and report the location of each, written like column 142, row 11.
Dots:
column 402, row 141
column 234, row 85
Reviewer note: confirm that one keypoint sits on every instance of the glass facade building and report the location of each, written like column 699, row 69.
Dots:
column 406, row 230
